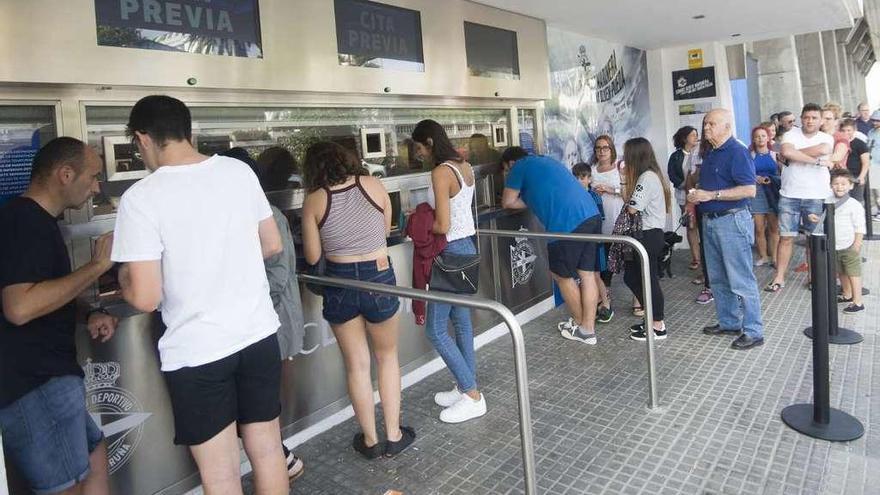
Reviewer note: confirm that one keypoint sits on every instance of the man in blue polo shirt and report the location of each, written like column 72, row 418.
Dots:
column 561, row 203
column 727, row 180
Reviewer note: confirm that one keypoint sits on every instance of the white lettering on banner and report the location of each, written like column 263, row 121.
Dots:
column 175, row 14
column 378, row 35
column 127, row 7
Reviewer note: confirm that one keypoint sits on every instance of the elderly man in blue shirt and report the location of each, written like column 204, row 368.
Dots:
column 727, row 181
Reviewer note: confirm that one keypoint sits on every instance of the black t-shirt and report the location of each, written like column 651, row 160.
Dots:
column 857, row 147
column 31, row 251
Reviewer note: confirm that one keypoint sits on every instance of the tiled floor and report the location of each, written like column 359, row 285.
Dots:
column 718, row 431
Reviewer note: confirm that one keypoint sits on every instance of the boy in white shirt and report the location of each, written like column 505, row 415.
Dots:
column 849, row 228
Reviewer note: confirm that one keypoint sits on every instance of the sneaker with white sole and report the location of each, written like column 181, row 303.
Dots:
column 295, row 466
column 463, row 410
column 640, row 335
column 447, row 398
column 578, row 334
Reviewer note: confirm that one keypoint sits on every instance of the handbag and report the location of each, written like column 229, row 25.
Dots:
column 317, row 270
column 458, row 273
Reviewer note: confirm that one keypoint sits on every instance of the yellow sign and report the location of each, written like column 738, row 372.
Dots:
column 695, row 58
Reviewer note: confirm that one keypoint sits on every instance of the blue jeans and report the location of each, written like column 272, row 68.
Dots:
column 48, row 434
column 727, row 242
column 458, row 355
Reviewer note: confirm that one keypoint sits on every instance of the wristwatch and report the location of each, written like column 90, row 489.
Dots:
column 717, row 194
column 97, row 309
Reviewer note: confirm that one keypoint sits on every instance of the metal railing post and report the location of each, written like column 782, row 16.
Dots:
column 519, row 349
column 653, row 393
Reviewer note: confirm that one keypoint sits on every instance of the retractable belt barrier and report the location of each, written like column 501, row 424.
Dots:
column 519, row 351
column 819, row 420
column 653, row 393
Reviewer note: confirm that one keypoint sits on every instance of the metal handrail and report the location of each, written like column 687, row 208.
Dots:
column 519, row 349
column 653, row 394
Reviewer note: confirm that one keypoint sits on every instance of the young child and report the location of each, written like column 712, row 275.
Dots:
column 583, row 172
column 849, row 228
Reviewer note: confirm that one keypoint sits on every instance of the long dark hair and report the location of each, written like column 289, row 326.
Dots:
column 441, row 147
column 328, row 164
column 679, row 139
column 638, row 154
column 276, row 165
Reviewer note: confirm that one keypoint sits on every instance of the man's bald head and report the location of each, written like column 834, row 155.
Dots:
column 717, row 126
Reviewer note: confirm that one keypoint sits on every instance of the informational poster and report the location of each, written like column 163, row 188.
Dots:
column 210, row 27
column 371, row 34
column 693, row 83
column 597, row 88
column 695, row 58
column 17, row 150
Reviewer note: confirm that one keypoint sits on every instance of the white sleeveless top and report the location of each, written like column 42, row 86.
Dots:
column 612, row 204
column 461, row 216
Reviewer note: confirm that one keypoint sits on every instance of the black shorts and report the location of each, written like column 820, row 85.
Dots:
column 243, row 388
column 567, row 257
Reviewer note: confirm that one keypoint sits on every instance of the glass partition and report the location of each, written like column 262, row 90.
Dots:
column 379, row 136
column 23, row 130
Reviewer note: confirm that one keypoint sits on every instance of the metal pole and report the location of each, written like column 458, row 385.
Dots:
column 869, row 205
column 818, row 420
column 819, row 266
column 836, row 334
column 519, row 349
column 653, row 393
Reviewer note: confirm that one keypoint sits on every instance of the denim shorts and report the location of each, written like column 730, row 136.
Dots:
column 48, row 434
column 793, row 212
column 759, row 204
column 342, row 304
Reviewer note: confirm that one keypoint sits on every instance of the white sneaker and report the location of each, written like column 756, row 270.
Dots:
column 447, row 398
column 566, row 325
column 463, row 410
column 578, row 334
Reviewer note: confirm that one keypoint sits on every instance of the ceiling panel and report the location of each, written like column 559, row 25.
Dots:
column 665, row 23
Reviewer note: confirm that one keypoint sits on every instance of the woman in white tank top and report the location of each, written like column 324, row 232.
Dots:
column 452, row 183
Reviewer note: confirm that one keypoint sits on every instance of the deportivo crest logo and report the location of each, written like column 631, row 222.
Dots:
column 522, row 259
column 115, row 410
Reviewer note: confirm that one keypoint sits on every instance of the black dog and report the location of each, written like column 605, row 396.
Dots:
column 670, row 239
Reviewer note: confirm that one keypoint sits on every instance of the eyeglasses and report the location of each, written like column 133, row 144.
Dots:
column 603, row 148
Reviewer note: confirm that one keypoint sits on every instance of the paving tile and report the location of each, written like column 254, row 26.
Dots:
column 718, row 431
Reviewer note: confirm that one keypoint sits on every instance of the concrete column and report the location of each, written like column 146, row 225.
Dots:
column 832, row 66
column 811, row 61
column 779, row 77
column 845, row 72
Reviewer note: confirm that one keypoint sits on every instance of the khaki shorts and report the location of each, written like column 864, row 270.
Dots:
column 849, row 262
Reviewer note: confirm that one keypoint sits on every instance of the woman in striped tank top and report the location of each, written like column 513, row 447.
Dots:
column 347, row 217
column 452, row 183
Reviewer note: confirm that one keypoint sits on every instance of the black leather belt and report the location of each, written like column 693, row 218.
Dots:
column 724, row 213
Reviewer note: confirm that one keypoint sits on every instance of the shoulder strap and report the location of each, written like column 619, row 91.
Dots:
column 458, row 175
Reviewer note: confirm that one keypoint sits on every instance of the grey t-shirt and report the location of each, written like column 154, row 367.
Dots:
column 649, row 200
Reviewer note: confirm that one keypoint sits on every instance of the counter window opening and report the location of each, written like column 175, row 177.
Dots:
column 379, row 136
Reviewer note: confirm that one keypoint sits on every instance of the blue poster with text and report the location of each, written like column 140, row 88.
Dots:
column 17, row 150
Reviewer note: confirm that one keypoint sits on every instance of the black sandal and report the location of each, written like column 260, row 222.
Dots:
column 407, row 437
column 360, row 445
column 842, row 299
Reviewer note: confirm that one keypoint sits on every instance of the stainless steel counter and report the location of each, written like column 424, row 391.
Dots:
column 127, row 395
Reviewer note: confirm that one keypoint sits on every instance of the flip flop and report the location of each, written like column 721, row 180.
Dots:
column 638, row 311
column 773, row 287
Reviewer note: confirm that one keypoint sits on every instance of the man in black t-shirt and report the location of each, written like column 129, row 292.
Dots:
column 47, row 433
column 858, row 162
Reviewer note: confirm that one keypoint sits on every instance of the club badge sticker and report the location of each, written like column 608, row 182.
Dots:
column 115, row 410
column 522, row 259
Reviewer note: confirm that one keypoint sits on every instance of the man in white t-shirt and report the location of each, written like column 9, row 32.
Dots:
column 805, row 184
column 192, row 236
